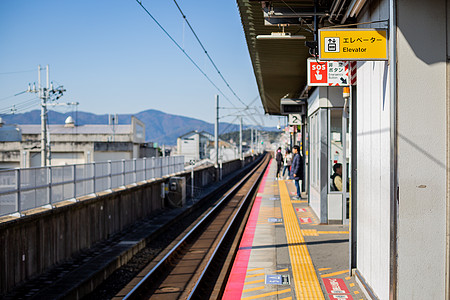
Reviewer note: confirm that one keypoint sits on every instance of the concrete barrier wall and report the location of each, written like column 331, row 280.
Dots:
column 45, row 237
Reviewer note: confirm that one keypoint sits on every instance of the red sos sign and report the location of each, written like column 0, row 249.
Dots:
column 318, row 72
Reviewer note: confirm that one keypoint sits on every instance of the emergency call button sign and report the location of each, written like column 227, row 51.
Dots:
column 318, row 72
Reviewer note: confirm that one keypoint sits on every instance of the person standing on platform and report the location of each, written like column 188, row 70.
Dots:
column 287, row 162
column 297, row 169
column 336, row 178
column 279, row 159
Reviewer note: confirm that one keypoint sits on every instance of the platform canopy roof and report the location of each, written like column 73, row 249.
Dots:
column 280, row 64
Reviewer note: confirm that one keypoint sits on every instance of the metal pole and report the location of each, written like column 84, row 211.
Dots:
column 19, row 204
column 216, row 133
column 47, row 137
column 192, row 182
column 241, row 156
column 145, row 168
column 109, row 174
column 43, row 121
column 344, row 163
column 74, row 174
column 256, row 139
column 251, row 139
column 393, row 260
column 50, row 183
column 134, row 170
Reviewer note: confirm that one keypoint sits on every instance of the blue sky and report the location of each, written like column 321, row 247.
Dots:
column 112, row 57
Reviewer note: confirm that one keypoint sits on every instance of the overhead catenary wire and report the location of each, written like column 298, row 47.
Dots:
column 195, row 64
column 184, row 52
column 215, row 66
column 207, row 54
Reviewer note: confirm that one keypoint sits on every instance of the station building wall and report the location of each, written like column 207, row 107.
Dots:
column 422, row 149
column 411, row 263
column 373, row 171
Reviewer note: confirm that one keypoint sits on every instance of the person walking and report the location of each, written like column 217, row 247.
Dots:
column 297, row 169
column 287, row 162
column 279, row 159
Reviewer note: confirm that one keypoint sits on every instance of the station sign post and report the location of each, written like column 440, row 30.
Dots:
column 353, row 44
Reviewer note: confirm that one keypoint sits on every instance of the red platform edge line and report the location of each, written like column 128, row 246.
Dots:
column 235, row 284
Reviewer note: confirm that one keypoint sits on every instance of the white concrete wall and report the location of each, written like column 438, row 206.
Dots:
column 422, row 150
column 373, row 167
column 373, row 163
column 105, row 156
column 67, row 158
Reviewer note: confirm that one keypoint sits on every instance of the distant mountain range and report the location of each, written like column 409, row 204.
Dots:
column 160, row 127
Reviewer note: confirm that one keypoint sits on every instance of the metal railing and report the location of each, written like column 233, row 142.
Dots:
column 23, row 189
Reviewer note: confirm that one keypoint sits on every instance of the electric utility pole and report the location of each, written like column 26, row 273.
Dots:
column 216, row 133
column 44, row 95
column 251, row 140
column 241, row 156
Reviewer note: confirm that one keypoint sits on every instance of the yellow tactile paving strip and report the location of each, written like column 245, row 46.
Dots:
column 314, row 232
column 306, row 282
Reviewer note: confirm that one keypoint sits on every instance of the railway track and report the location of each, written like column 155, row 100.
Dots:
column 196, row 264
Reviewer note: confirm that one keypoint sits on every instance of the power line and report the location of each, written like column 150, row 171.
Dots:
column 207, row 54
column 215, row 66
column 182, row 50
column 18, row 105
column 196, row 65
column 16, row 72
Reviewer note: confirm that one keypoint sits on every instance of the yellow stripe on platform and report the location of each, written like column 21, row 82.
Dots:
column 267, row 294
column 335, row 273
column 254, row 281
column 255, row 269
column 254, row 275
column 306, row 282
column 253, row 289
column 282, row 270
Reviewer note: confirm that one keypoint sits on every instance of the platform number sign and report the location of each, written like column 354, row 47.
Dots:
column 295, row 119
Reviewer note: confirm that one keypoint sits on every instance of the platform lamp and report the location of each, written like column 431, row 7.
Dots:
column 280, row 36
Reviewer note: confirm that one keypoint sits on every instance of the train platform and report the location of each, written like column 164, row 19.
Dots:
column 286, row 254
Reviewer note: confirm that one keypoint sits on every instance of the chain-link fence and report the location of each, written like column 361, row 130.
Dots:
column 22, row 189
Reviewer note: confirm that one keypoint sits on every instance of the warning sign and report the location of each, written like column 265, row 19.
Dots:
column 353, row 44
column 336, row 288
column 305, row 220
column 327, row 73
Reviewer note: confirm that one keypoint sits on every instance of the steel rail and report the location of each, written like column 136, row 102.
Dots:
column 195, row 291
column 141, row 285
